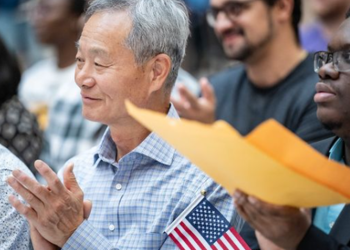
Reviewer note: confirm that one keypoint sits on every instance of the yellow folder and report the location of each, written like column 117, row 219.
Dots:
column 270, row 163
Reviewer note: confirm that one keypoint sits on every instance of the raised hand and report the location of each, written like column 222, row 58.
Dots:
column 200, row 109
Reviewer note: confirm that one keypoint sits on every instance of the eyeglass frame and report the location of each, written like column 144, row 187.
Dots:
column 330, row 59
column 213, row 12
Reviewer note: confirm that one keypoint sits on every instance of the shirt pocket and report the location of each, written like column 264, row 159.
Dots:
column 141, row 241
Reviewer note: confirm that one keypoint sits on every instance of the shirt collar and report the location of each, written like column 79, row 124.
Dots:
column 153, row 146
column 336, row 153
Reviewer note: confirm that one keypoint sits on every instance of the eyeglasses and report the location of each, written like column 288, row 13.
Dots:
column 231, row 9
column 340, row 60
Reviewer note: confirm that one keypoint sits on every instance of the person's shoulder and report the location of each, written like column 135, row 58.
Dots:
column 227, row 75
column 305, row 69
column 302, row 79
column 227, row 80
column 9, row 162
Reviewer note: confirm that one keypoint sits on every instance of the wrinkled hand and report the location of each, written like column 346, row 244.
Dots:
column 40, row 243
column 55, row 211
column 200, row 109
column 284, row 226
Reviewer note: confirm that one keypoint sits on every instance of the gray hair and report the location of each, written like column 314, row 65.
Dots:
column 159, row 26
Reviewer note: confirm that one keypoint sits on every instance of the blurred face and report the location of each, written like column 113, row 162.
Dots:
column 248, row 33
column 329, row 8
column 106, row 71
column 53, row 21
column 333, row 90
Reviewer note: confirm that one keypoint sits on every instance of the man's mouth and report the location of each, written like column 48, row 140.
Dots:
column 324, row 93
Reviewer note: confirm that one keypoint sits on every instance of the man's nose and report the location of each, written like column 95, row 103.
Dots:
column 84, row 78
column 328, row 71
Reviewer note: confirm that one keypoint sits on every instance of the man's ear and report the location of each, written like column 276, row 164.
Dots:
column 160, row 69
column 284, row 9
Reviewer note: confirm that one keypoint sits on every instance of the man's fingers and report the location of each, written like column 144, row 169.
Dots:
column 262, row 207
column 87, row 208
column 29, row 197
column 69, row 179
column 189, row 100
column 208, row 91
column 178, row 106
column 23, row 184
column 26, row 211
column 50, row 176
column 270, row 209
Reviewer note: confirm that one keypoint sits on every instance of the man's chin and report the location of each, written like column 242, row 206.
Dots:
column 329, row 119
column 331, row 124
column 237, row 54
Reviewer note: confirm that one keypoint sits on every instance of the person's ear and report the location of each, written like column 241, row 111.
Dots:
column 284, row 10
column 160, row 67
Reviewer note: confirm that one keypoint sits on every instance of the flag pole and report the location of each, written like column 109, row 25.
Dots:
column 188, row 209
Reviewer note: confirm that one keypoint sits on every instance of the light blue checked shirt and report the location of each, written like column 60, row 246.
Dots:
column 135, row 199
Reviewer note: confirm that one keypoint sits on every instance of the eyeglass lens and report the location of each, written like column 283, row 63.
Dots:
column 339, row 59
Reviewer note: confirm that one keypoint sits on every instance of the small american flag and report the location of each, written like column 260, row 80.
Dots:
column 202, row 226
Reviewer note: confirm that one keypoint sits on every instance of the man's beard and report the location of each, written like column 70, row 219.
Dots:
column 248, row 50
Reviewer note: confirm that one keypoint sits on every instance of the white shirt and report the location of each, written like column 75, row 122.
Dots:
column 41, row 82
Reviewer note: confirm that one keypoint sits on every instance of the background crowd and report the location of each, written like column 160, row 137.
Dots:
column 41, row 112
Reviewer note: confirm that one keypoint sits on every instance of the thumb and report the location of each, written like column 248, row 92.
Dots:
column 69, row 179
column 207, row 90
column 87, row 208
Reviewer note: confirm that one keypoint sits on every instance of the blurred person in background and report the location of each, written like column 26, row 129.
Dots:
column 16, row 31
column 19, row 130
column 275, row 80
column 329, row 15
column 55, row 24
column 50, row 83
column 204, row 54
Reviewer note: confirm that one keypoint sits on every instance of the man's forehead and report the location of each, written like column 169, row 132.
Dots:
column 341, row 38
column 92, row 49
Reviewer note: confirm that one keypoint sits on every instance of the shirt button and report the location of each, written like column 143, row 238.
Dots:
column 111, row 227
column 118, row 186
column 331, row 224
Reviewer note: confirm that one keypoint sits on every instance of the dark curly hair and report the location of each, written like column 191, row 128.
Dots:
column 10, row 74
column 296, row 15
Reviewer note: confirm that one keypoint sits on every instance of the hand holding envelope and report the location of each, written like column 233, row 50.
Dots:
column 271, row 163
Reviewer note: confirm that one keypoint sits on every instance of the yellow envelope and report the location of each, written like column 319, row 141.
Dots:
column 270, row 163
